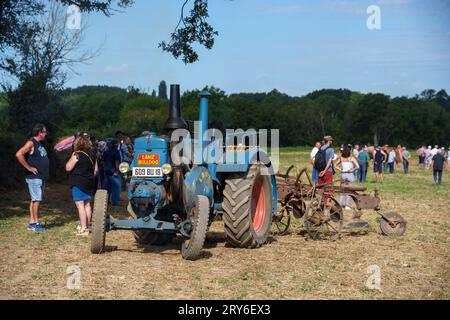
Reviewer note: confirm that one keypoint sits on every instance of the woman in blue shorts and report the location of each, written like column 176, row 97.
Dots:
column 82, row 166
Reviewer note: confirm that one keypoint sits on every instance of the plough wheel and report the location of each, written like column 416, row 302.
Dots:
column 398, row 226
column 283, row 221
column 323, row 222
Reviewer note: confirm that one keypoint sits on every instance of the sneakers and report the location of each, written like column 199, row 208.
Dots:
column 36, row 227
column 31, row 227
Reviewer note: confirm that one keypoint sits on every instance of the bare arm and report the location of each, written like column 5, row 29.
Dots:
column 72, row 162
column 330, row 161
column 356, row 163
column 337, row 164
column 20, row 155
column 96, row 168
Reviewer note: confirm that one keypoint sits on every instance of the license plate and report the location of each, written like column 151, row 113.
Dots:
column 148, row 159
column 145, row 172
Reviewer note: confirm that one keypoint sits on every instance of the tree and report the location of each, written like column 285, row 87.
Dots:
column 18, row 18
column 37, row 66
column 162, row 90
column 196, row 30
column 369, row 120
column 153, row 93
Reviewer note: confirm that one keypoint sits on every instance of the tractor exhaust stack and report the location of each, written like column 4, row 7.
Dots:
column 175, row 121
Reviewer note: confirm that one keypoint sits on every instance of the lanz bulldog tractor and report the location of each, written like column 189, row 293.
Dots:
column 169, row 197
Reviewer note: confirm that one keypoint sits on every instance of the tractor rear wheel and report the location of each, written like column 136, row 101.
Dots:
column 99, row 220
column 247, row 205
column 147, row 237
column 199, row 217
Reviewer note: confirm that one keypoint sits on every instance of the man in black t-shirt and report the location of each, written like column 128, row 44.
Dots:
column 438, row 163
column 33, row 157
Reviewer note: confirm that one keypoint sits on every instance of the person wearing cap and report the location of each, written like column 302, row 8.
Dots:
column 326, row 175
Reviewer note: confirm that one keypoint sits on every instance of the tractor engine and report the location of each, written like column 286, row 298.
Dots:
column 150, row 171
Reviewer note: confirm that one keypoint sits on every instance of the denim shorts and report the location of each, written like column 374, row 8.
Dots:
column 79, row 195
column 36, row 188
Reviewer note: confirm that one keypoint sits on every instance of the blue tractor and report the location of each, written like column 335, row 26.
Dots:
column 169, row 198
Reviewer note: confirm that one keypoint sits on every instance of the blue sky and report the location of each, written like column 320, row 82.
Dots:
column 293, row 46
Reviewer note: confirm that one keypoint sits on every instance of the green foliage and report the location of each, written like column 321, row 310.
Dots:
column 195, row 30
column 143, row 113
column 351, row 117
column 162, row 90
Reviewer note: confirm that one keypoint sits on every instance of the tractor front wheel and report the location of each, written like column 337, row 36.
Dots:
column 247, row 204
column 199, row 217
column 100, row 218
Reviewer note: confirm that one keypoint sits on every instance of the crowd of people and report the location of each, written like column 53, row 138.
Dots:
column 93, row 164
column 353, row 162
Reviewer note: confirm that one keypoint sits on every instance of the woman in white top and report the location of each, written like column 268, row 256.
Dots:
column 346, row 164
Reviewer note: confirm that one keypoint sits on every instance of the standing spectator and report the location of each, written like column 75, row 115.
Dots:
column 434, row 151
column 101, row 168
column 125, row 152
column 315, row 173
column 428, row 157
column 421, row 153
column 346, row 164
column 379, row 158
column 399, row 154
column 385, row 149
column 363, row 161
column 111, row 161
column 355, row 155
column 33, row 157
column 95, row 154
column 122, row 147
column 391, row 160
column 438, row 163
column 83, row 168
column 406, row 158
column 325, row 157
column 448, row 156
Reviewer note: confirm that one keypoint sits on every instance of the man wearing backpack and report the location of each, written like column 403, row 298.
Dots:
column 324, row 162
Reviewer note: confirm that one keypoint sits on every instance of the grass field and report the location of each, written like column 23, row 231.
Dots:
column 414, row 266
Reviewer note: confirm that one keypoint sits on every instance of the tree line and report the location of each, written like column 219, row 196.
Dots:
column 349, row 116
